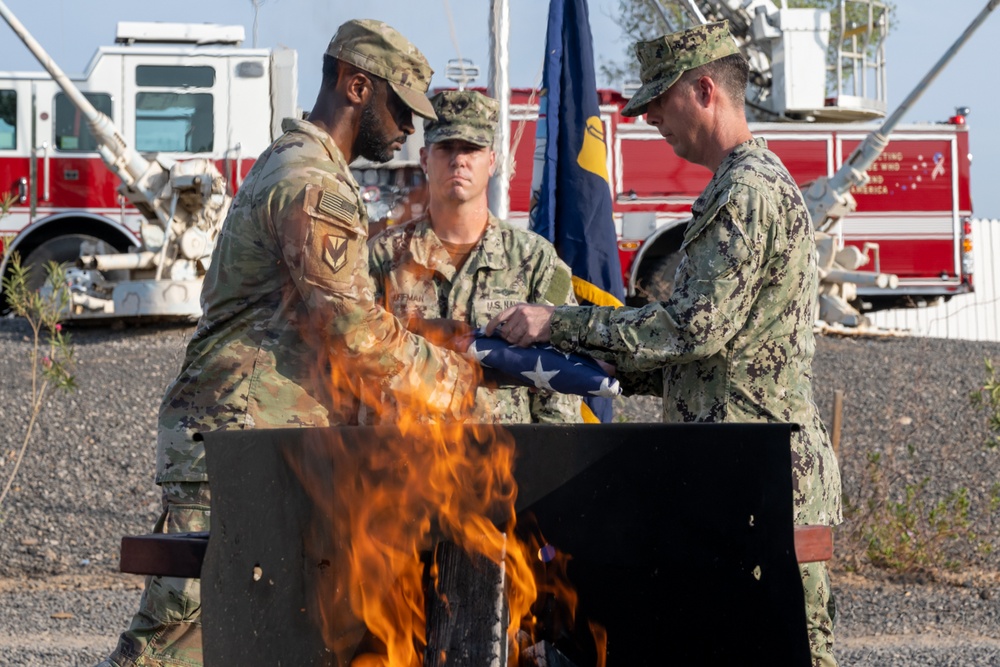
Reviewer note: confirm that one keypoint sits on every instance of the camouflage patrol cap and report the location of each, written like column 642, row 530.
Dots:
column 379, row 49
column 462, row 114
column 662, row 61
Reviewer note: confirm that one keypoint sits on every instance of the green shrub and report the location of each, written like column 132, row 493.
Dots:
column 894, row 524
column 50, row 363
column 987, row 399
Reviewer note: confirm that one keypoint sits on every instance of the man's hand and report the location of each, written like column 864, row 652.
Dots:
column 450, row 334
column 610, row 369
column 523, row 324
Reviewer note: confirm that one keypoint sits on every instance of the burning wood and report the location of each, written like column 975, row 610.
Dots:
column 467, row 611
column 389, row 502
column 544, row 654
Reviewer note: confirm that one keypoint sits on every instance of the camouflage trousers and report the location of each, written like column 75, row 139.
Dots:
column 821, row 612
column 166, row 631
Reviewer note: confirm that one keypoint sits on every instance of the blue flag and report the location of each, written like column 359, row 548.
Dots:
column 571, row 198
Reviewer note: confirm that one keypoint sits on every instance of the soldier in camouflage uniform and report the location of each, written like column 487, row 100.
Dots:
column 287, row 302
column 459, row 262
column 734, row 342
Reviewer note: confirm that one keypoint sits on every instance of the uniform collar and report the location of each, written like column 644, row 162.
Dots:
column 326, row 141
column 491, row 250
column 427, row 250
column 734, row 156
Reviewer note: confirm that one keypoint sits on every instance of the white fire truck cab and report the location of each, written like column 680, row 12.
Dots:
column 174, row 91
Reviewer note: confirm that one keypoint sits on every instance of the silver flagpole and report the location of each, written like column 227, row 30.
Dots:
column 499, row 88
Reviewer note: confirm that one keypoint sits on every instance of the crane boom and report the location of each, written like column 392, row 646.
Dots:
column 141, row 179
column 830, row 199
column 183, row 204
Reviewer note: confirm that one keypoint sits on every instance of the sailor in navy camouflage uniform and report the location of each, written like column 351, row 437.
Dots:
column 734, row 342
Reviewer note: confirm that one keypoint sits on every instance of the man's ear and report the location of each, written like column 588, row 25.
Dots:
column 358, row 88
column 706, row 90
column 423, row 158
column 493, row 162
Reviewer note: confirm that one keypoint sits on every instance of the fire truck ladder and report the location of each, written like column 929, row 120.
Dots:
column 787, row 48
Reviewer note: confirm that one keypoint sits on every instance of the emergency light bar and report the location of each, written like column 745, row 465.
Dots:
column 130, row 32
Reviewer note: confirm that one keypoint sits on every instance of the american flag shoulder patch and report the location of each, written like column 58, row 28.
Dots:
column 338, row 205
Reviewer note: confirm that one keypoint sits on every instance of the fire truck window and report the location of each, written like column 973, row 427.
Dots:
column 8, row 120
column 71, row 129
column 174, row 122
column 175, row 76
column 250, row 69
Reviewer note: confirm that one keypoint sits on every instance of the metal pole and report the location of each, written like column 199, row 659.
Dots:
column 499, row 88
column 663, row 15
column 694, row 11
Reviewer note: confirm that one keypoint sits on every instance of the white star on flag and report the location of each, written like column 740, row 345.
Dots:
column 540, row 376
column 608, row 389
column 477, row 353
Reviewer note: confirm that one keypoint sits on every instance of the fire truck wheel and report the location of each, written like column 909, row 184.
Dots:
column 63, row 249
column 657, row 282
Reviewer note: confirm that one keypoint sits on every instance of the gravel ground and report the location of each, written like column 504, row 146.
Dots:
column 87, row 479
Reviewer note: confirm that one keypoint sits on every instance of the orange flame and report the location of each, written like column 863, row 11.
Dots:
column 600, row 642
column 555, row 593
column 388, row 502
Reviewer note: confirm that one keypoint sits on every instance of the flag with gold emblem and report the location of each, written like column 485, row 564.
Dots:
column 571, row 198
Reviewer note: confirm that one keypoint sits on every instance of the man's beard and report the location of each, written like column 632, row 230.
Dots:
column 371, row 144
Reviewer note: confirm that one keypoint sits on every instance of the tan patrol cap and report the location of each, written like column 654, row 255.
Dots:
column 377, row 48
column 663, row 60
column 464, row 115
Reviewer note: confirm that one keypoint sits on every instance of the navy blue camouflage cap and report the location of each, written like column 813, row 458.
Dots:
column 378, row 48
column 664, row 60
column 464, row 115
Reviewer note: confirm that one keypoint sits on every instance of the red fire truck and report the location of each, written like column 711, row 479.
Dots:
column 912, row 218
column 179, row 91
column 173, row 92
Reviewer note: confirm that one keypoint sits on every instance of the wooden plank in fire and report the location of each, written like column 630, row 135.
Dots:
column 467, row 615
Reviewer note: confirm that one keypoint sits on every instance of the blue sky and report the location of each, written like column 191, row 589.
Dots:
column 72, row 30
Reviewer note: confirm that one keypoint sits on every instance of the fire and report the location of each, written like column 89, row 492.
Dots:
column 394, row 493
column 556, row 595
column 601, row 642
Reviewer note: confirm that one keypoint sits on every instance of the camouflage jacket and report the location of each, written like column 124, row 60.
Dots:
column 289, row 318
column 734, row 343
column 414, row 277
